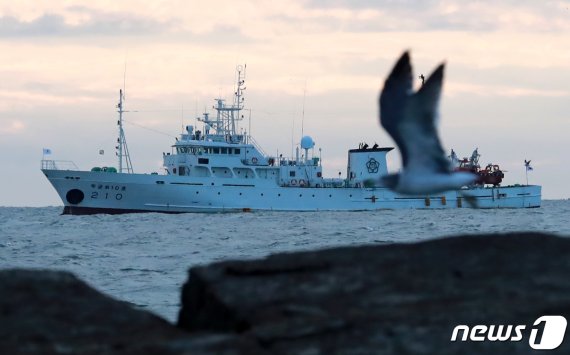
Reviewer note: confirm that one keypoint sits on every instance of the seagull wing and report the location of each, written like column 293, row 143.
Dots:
column 419, row 127
column 411, row 118
column 393, row 101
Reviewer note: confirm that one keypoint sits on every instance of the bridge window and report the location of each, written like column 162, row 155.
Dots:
column 292, row 174
column 216, row 150
column 236, row 150
column 224, row 150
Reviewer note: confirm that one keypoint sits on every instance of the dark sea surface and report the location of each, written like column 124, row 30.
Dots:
column 144, row 258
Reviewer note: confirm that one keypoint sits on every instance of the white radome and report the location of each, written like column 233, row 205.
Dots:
column 307, row 142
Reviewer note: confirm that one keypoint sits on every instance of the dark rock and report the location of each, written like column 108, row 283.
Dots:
column 53, row 312
column 393, row 299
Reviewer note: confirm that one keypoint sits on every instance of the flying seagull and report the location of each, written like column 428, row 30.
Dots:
column 410, row 118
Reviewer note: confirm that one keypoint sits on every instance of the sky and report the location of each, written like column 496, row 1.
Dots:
column 313, row 64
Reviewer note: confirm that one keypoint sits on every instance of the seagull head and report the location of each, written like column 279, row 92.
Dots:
column 390, row 181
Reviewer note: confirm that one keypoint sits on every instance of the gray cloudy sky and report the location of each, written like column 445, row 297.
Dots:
column 506, row 91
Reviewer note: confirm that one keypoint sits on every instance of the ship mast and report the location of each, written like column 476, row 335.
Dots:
column 225, row 123
column 238, row 99
column 123, row 150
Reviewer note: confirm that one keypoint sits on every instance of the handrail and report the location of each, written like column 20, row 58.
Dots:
column 255, row 144
column 58, row 165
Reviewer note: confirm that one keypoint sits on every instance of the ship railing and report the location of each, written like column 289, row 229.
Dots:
column 285, row 161
column 58, row 165
column 253, row 142
column 333, row 182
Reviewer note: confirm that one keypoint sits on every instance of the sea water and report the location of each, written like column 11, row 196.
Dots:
column 144, row 258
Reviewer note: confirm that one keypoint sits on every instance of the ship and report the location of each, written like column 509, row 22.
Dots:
column 219, row 167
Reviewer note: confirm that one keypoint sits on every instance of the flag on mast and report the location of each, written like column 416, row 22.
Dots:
column 47, row 151
column 527, row 165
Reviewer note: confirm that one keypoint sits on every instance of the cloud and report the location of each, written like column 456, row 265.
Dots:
column 77, row 22
column 12, row 127
column 94, row 23
column 503, row 91
column 372, row 4
column 214, row 36
column 440, row 15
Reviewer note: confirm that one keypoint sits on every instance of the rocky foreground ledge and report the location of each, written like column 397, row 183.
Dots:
column 393, row 299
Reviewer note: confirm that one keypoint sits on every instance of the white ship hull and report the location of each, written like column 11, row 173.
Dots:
column 84, row 192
